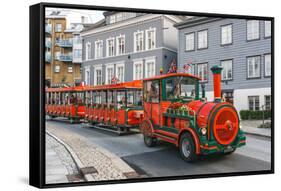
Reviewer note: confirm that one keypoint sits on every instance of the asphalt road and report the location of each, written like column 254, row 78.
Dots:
column 164, row 159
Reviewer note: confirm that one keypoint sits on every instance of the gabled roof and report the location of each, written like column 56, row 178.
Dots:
column 193, row 21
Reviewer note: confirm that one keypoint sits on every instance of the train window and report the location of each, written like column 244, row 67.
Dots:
column 134, row 98
column 151, row 91
column 109, row 98
column 180, row 87
column 88, row 97
column 121, row 99
column 103, row 97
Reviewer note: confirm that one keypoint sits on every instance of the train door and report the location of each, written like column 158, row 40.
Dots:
column 151, row 101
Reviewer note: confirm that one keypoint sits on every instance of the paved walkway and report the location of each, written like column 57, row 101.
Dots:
column 251, row 127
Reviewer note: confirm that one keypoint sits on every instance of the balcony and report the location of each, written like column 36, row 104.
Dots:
column 48, row 57
column 48, row 44
column 65, row 43
column 64, row 57
column 48, row 29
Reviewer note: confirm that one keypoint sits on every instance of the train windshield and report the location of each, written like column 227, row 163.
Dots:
column 180, row 87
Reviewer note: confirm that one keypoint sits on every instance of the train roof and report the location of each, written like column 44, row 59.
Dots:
column 66, row 89
column 171, row 75
column 136, row 84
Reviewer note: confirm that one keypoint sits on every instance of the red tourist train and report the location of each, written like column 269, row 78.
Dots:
column 114, row 106
column 65, row 102
column 173, row 109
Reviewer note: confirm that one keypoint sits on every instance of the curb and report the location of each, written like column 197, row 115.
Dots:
column 256, row 134
column 117, row 162
column 73, row 155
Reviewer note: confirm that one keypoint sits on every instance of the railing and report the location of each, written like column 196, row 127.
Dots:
column 48, row 43
column 48, row 28
column 48, row 57
column 65, row 43
column 65, row 57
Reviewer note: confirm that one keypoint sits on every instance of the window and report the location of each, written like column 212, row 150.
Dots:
column 267, row 100
column 57, row 55
column 112, row 19
column 110, row 47
column 57, row 68
column 203, row 39
column 58, row 27
column 267, row 65
column 151, row 91
column 226, row 34
column 88, row 51
column 120, row 72
column 149, row 68
column 138, row 41
column 120, row 45
column 109, row 74
column 253, row 29
column 189, row 41
column 98, row 49
column 87, row 76
column 254, row 103
column 150, row 39
column 267, row 28
column 138, row 70
column 69, row 69
column 78, row 53
column 203, row 72
column 119, row 17
column 227, row 69
column 98, row 76
column 253, row 65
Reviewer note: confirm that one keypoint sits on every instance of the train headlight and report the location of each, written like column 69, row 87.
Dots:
column 203, row 131
column 240, row 126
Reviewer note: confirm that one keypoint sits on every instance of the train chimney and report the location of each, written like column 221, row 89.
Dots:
column 217, row 82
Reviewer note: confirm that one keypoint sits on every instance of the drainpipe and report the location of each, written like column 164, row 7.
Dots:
column 217, row 82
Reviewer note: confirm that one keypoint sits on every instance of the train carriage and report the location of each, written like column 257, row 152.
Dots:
column 175, row 111
column 65, row 102
column 114, row 106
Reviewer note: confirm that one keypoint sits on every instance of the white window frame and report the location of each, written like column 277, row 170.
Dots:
column 226, row 68
column 198, row 71
column 153, row 40
column 106, row 74
column 226, row 34
column 88, row 51
column 254, row 102
column 118, row 52
column 95, row 74
column 70, row 69
column 147, row 61
column 57, row 68
column 98, row 50
column 119, row 65
column 266, row 62
column 57, row 29
column 107, row 46
column 87, row 75
column 137, row 62
column 267, row 29
column 135, row 41
column 252, row 26
column 112, row 19
column 255, row 74
column 269, row 102
column 190, row 43
column 201, row 43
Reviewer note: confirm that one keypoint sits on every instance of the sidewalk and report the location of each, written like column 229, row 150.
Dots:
column 251, row 127
column 94, row 162
column 60, row 167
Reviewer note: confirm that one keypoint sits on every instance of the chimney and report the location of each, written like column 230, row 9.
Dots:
column 217, row 82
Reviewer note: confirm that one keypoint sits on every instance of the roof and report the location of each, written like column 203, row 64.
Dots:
column 136, row 84
column 97, row 24
column 171, row 75
column 66, row 89
column 192, row 21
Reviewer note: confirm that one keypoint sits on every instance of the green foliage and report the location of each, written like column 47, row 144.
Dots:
column 248, row 114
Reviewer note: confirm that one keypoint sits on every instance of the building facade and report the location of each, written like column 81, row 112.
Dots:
column 128, row 46
column 63, row 49
column 242, row 47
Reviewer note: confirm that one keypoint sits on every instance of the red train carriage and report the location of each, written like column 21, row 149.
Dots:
column 176, row 112
column 114, row 106
column 65, row 102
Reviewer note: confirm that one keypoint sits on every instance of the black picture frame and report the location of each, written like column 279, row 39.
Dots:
column 37, row 89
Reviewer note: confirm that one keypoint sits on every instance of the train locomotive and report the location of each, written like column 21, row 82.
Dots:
column 174, row 112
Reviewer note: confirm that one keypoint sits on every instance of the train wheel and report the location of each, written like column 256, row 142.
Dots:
column 149, row 141
column 229, row 152
column 187, row 148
